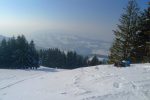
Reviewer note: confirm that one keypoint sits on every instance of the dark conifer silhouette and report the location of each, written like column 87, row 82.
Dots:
column 18, row 53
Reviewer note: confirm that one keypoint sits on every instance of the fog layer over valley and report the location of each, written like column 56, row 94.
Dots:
column 84, row 45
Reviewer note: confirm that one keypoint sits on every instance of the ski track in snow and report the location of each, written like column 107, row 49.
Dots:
column 17, row 82
column 103, row 82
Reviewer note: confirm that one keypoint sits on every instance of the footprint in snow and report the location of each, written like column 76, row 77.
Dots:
column 4, row 93
column 97, row 68
column 116, row 85
column 42, row 78
column 63, row 93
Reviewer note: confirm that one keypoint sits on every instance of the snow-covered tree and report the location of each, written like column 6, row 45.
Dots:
column 94, row 61
column 125, row 33
column 143, row 37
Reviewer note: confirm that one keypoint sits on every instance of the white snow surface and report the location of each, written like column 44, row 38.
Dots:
column 103, row 82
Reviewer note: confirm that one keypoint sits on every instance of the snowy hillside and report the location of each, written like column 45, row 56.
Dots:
column 92, row 83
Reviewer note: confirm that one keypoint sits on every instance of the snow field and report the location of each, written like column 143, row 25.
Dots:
column 103, row 82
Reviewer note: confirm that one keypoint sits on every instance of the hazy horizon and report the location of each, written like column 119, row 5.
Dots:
column 96, row 18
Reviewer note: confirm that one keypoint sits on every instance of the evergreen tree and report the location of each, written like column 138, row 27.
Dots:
column 125, row 34
column 142, row 52
column 72, row 59
column 11, row 51
column 94, row 61
column 17, row 53
column 56, row 58
column 21, row 53
column 33, row 56
column 3, row 53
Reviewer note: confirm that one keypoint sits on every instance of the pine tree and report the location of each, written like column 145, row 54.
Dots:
column 21, row 55
column 143, row 37
column 125, row 34
column 70, row 59
column 116, row 52
column 147, row 32
column 33, row 56
column 18, row 53
column 94, row 61
column 12, row 45
column 57, row 58
column 3, row 53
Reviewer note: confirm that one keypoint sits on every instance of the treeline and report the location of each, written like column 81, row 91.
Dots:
column 17, row 53
column 66, row 60
column 132, row 36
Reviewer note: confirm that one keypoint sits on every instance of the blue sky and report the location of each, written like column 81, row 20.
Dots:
column 90, row 17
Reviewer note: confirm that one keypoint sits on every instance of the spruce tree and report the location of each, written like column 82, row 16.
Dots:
column 57, row 58
column 143, row 37
column 3, row 53
column 33, row 57
column 12, row 48
column 94, row 61
column 125, row 34
column 18, row 53
column 21, row 55
column 147, row 32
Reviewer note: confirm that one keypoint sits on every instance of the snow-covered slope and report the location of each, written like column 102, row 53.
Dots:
column 103, row 82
